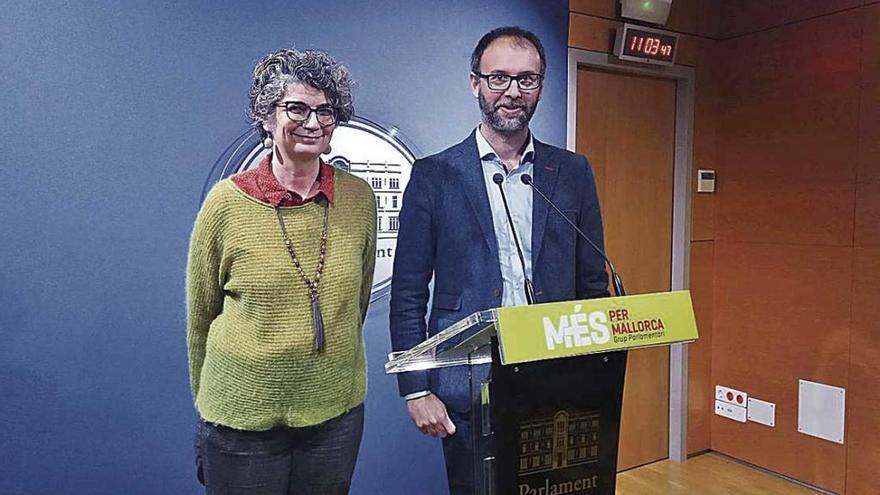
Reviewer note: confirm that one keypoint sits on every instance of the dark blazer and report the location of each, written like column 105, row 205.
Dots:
column 446, row 230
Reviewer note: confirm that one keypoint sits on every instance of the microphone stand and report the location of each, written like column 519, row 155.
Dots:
column 617, row 283
column 530, row 294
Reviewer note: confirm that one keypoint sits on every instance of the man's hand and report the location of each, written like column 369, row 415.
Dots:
column 429, row 415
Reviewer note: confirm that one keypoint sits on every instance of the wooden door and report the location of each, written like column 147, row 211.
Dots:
column 626, row 127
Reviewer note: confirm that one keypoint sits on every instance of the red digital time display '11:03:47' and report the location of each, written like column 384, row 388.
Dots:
column 650, row 46
column 647, row 45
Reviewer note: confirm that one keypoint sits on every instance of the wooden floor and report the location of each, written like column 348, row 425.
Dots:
column 706, row 474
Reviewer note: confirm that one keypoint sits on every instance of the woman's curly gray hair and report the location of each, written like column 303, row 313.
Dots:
column 313, row 68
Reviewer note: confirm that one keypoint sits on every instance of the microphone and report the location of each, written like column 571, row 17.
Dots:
column 615, row 278
column 530, row 294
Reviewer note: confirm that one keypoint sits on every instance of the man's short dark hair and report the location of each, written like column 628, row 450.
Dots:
column 515, row 32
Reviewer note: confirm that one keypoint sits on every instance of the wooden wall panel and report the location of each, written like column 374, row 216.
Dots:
column 867, row 223
column 869, row 134
column 698, row 17
column 788, row 62
column 748, row 16
column 590, row 33
column 871, row 45
column 863, row 403
column 781, row 313
column 788, row 133
column 863, row 414
column 868, row 213
column 700, row 386
column 778, row 160
column 706, row 107
column 600, row 8
column 689, row 48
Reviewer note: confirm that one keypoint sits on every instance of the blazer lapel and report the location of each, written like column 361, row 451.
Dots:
column 470, row 171
column 544, row 176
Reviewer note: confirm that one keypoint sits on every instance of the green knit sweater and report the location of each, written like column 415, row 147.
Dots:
column 249, row 325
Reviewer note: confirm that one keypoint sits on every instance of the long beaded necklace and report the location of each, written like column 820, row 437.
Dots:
column 312, row 284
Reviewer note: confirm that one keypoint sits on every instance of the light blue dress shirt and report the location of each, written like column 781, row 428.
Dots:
column 519, row 200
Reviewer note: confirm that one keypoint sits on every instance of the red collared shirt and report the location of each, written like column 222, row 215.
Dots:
column 261, row 184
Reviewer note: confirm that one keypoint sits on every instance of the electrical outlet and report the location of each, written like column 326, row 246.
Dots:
column 731, row 396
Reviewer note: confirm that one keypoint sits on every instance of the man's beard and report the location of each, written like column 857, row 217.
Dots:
column 505, row 125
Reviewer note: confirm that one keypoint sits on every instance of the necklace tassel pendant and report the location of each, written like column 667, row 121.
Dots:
column 317, row 323
column 317, row 318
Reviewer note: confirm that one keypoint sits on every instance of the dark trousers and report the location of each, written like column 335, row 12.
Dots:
column 283, row 461
column 458, row 452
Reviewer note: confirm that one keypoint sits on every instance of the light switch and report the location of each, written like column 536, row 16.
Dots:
column 705, row 181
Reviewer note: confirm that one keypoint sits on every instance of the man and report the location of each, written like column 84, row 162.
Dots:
column 453, row 226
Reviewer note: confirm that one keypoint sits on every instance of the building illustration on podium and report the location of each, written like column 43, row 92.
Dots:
column 557, row 442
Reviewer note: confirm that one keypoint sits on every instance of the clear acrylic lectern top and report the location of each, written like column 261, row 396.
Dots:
column 477, row 329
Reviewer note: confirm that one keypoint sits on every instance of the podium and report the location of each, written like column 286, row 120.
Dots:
column 546, row 421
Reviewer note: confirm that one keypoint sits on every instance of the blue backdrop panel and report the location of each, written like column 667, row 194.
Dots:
column 114, row 113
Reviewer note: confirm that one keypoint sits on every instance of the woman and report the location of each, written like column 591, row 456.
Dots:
column 278, row 282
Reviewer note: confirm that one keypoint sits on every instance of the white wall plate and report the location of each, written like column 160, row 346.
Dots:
column 821, row 410
column 762, row 412
column 730, row 411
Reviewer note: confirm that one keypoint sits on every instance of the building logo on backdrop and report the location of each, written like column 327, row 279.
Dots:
column 362, row 148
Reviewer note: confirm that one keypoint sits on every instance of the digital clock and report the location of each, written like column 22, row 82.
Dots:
column 641, row 44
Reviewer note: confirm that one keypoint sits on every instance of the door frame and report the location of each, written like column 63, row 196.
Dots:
column 684, row 78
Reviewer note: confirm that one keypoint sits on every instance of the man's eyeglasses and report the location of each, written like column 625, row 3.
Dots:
column 298, row 111
column 500, row 82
